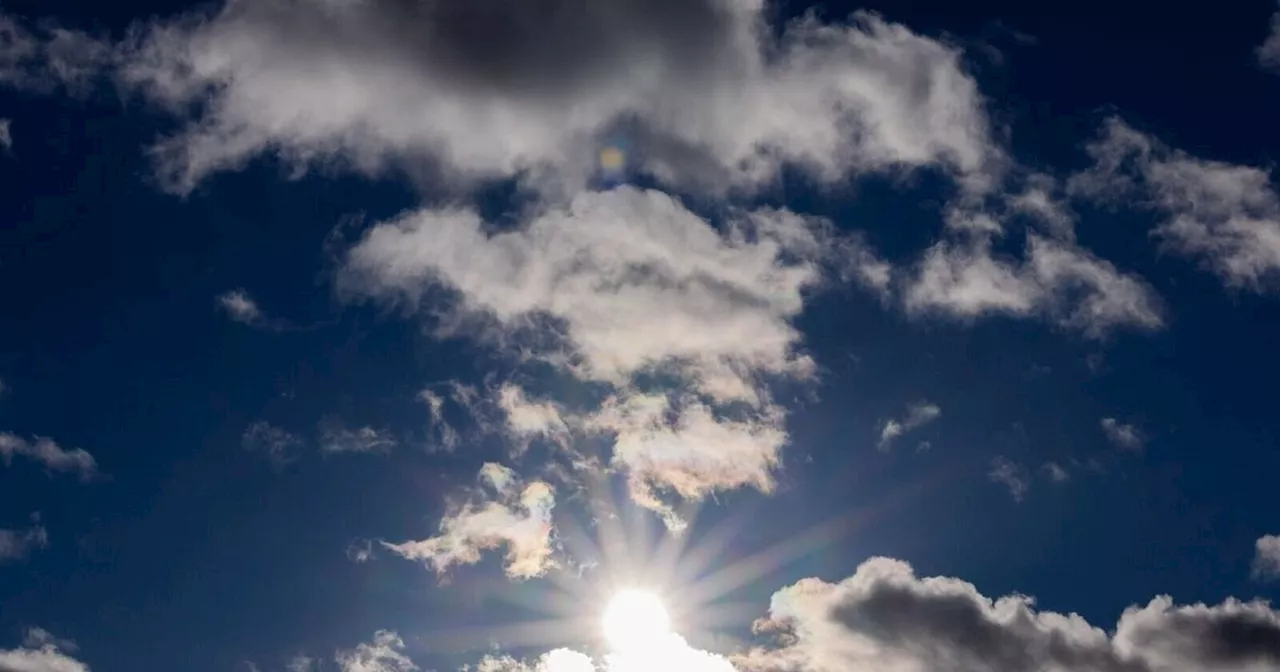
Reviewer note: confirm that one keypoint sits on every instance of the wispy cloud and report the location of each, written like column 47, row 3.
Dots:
column 242, row 308
column 1269, row 50
column 335, row 438
column 17, row 545
column 918, row 414
column 1011, row 475
column 1056, row 472
column 1225, row 216
column 1266, row 558
column 277, row 445
column 6, row 137
column 1123, row 435
column 48, row 453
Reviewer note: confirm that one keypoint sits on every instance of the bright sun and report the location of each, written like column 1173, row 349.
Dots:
column 635, row 620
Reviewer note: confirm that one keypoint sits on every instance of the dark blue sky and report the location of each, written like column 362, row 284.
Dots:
column 191, row 549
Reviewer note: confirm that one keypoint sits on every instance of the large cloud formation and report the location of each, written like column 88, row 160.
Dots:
column 886, row 619
column 703, row 91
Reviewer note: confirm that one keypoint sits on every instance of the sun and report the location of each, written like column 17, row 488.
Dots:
column 635, row 620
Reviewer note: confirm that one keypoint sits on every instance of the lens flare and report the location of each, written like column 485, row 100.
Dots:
column 612, row 160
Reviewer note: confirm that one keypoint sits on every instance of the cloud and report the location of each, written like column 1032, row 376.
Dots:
column 445, row 434
column 278, row 446
column 6, row 138
column 48, row 453
column 50, row 57
column 1010, row 474
column 1266, row 559
column 1269, row 50
column 16, row 545
column 509, row 513
column 41, row 652
column 1057, row 281
column 384, row 654
column 885, row 618
column 334, row 438
column 528, row 419
column 301, row 664
column 918, row 414
column 1123, row 435
column 620, row 286
column 1056, row 472
column 698, row 93
column 1225, row 216
column 242, row 308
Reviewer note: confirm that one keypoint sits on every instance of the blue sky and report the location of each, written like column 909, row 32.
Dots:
column 381, row 336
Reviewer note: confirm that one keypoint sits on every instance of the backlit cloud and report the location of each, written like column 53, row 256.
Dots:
column 508, row 513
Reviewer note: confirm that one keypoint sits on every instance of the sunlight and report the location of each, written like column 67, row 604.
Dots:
column 635, row 620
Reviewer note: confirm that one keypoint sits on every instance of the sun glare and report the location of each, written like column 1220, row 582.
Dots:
column 635, row 620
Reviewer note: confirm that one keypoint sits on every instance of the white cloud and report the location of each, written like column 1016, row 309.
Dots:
column 511, row 515
column 1123, row 435
column 17, row 545
column 1269, row 50
column 334, row 438
column 624, row 283
column 1266, row 559
column 1224, row 215
column 1010, row 474
column 41, row 652
column 698, row 92
column 278, row 446
column 242, row 308
column 6, row 138
column 527, row 419
column 301, row 664
column 1057, row 280
column 384, row 654
column 48, row 453
column 918, row 414
column 665, row 442
column 886, row 619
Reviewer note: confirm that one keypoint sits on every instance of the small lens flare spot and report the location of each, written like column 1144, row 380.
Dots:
column 612, row 159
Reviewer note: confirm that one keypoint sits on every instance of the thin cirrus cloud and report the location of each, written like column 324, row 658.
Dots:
column 918, row 415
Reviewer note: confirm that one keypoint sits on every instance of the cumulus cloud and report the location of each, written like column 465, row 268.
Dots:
column 41, row 652
column 918, row 414
column 1269, row 50
column 1225, row 216
column 699, row 92
column 17, row 545
column 335, row 438
column 619, row 284
column 887, row 619
column 1266, row 558
column 384, row 654
column 48, row 453
column 1124, row 436
column 505, row 513
column 1011, row 475
column 277, row 445
column 1057, row 281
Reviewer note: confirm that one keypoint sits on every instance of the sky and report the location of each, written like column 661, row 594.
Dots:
column 710, row 335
